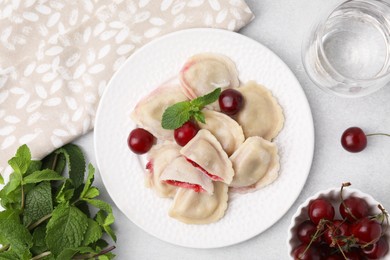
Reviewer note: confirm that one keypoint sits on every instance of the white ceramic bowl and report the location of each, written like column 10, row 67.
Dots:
column 333, row 196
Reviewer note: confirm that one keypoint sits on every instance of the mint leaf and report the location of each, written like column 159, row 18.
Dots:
column 76, row 163
column 176, row 115
column 21, row 161
column 55, row 161
column 200, row 117
column 100, row 204
column 107, row 256
column 92, row 193
column 15, row 180
column 1, row 179
column 14, row 232
column 39, row 243
column 8, row 255
column 93, row 233
column 207, row 99
column 44, row 175
column 66, row 228
column 90, row 179
column 105, row 219
column 68, row 253
column 66, row 192
column 34, row 166
column 38, row 203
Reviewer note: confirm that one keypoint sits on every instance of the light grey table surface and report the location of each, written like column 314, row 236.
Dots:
column 281, row 25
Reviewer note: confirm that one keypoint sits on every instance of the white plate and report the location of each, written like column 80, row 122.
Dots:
column 123, row 173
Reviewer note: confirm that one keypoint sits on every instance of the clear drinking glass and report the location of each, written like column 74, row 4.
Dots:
column 348, row 52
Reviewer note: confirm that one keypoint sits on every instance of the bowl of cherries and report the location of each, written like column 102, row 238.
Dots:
column 339, row 224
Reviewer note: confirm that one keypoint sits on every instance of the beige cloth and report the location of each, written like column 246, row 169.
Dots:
column 56, row 57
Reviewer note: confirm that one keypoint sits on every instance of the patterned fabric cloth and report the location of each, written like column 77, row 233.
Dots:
column 56, row 57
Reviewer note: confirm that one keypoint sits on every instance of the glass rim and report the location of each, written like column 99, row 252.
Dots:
column 319, row 33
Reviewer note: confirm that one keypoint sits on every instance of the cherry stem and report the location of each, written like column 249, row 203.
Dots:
column 378, row 134
column 346, row 184
column 385, row 215
column 342, row 251
column 316, row 235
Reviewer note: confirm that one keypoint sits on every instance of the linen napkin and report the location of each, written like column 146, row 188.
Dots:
column 57, row 56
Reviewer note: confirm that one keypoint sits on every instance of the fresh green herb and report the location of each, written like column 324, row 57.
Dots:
column 46, row 215
column 176, row 115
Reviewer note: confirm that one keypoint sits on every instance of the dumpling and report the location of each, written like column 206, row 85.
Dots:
column 261, row 114
column 159, row 157
column 227, row 131
column 148, row 112
column 181, row 173
column 255, row 163
column 200, row 208
column 206, row 153
column 204, row 72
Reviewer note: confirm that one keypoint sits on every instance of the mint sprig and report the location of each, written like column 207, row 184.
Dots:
column 176, row 115
column 46, row 215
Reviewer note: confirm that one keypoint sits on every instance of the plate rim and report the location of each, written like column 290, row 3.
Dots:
column 310, row 134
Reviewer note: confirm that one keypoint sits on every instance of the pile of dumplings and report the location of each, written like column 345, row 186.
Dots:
column 228, row 154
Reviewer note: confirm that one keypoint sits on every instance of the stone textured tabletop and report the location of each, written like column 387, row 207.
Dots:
column 281, row 25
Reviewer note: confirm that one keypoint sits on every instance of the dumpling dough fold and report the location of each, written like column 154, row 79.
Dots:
column 261, row 114
column 256, row 164
column 200, row 208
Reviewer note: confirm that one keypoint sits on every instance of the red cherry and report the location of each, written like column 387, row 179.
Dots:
column 366, row 230
column 336, row 232
column 320, row 209
column 354, row 140
column 334, row 257
column 140, row 141
column 325, row 251
column 185, row 133
column 376, row 250
column 305, row 232
column 355, row 254
column 312, row 253
column 358, row 207
column 230, row 101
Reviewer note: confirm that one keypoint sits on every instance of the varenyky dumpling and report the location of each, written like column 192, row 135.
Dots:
column 204, row 72
column 227, row 131
column 159, row 157
column 148, row 112
column 261, row 114
column 199, row 207
column 206, row 153
column 182, row 173
column 255, row 163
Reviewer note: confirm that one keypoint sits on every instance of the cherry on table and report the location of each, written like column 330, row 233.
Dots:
column 354, row 140
column 140, row 141
column 230, row 101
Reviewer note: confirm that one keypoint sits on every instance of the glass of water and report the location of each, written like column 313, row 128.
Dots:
column 348, row 52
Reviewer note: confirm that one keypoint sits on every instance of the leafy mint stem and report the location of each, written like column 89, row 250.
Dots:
column 91, row 255
column 177, row 114
column 41, row 255
column 39, row 221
